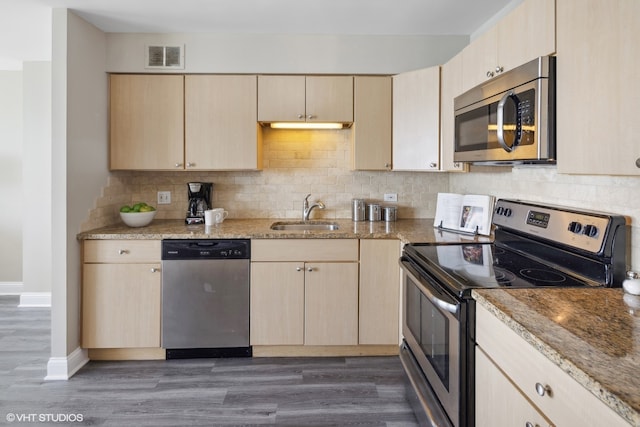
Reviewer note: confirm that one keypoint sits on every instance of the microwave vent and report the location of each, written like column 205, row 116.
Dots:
column 164, row 57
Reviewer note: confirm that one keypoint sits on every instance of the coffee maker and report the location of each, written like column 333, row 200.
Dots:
column 199, row 201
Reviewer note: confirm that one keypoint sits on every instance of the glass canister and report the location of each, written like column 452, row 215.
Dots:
column 358, row 210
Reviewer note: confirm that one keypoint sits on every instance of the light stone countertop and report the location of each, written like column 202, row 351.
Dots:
column 405, row 230
column 591, row 334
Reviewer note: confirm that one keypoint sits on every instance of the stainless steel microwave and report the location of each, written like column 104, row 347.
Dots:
column 510, row 119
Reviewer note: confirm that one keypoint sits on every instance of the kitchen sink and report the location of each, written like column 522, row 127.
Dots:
column 305, row 226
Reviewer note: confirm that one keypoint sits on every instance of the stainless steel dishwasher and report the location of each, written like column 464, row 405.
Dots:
column 205, row 298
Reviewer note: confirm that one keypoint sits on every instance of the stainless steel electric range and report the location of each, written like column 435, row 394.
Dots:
column 535, row 246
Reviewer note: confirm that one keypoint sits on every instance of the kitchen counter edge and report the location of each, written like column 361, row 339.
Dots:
column 530, row 312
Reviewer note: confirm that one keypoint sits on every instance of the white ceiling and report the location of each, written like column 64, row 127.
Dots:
column 25, row 25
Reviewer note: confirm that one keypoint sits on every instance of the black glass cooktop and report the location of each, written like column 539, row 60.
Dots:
column 467, row 266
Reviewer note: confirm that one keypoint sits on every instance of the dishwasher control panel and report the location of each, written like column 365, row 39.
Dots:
column 206, row 249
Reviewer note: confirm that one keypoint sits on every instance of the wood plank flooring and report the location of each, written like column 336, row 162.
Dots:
column 353, row 391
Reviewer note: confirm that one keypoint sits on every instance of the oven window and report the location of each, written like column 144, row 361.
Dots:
column 434, row 339
column 430, row 327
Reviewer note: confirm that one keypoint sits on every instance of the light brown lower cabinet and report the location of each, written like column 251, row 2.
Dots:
column 121, row 296
column 516, row 384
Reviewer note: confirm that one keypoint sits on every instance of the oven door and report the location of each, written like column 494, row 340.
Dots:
column 432, row 330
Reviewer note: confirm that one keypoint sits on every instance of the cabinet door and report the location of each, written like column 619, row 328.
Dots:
column 498, row 402
column 277, row 303
column 146, row 114
column 331, row 304
column 379, row 292
column 451, row 86
column 598, row 87
column 416, row 120
column 329, row 98
column 479, row 59
column 372, row 123
column 528, row 32
column 281, row 98
column 221, row 122
column 121, row 305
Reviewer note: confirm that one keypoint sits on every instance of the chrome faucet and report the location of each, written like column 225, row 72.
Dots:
column 306, row 209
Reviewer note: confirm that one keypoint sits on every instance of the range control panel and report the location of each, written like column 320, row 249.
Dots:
column 584, row 230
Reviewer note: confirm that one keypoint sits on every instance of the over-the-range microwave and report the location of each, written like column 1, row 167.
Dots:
column 509, row 119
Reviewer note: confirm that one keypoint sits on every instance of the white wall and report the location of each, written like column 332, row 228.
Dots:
column 11, row 196
column 36, row 254
column 312, row 54
column 79, row 170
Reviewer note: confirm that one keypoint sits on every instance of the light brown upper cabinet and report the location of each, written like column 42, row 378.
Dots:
column 146, row 115
column 526, row 33
column 176, row 122
column 372, row 123
column 305, row 98
column 416, row 120
column 598, row 87
column 450, row 87
column 221, row 126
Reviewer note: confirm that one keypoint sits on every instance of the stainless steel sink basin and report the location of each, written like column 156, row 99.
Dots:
column 305, row 226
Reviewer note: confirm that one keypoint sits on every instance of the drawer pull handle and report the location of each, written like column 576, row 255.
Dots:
column 309, row 269
column 298, row 268
column 530, row 424
column 123, row 251
column 543, row 389
column 155, row 270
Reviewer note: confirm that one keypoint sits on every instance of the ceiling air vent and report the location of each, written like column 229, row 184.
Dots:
column 167, row 57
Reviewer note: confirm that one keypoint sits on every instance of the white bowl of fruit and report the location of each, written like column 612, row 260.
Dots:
column 138, row 215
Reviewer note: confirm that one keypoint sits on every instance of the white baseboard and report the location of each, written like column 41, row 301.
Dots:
column 35, row 299
column 10, row 288
column 63, row 368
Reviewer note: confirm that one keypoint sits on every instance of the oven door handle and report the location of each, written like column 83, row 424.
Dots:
column 441, row 301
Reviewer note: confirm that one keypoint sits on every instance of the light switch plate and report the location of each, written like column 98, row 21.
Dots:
column 164, row 197
column 390, row 197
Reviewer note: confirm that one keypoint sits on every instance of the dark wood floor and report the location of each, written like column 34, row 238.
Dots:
column 352, row 391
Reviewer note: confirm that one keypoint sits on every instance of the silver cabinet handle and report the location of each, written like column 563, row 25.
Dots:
column 309, row 269
column 301, row 116
column 298, row 268
column 530, row 424
column 489, row 74
column 178, row 165
column 499, row 69
column 155, row 270
column 309, row 117
column 387, row 165
column 190, row 165
column 543, row 389
column 456, row 164
column 433, row 165
column 123, row 251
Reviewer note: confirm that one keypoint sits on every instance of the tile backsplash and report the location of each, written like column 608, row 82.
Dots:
column 297, row 163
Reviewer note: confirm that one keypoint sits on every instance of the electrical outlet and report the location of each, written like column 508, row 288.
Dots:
column 390, row 197
column 164, row 197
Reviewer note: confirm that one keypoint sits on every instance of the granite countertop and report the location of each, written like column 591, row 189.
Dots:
column 406, row 230
column 591, row 334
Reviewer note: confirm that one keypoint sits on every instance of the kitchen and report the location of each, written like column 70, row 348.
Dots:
column 416, row 191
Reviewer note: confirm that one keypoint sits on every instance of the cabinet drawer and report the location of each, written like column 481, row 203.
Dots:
column 567, row 403
column 122, row 251
column 304, row 250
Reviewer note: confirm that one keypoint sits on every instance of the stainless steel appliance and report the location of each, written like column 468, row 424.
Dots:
column 199, row 201
column 509, row 119
column 535, row 246
column 205, row 298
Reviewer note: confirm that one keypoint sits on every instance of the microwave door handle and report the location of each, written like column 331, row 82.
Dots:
column 500, row 122
column 450, row 307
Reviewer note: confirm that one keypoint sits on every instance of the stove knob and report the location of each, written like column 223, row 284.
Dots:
column 590, row 230
column 575, row 227
column 499, row 210
column 507, row 212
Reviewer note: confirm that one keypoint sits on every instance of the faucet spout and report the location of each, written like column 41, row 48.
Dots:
column 306, row 209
